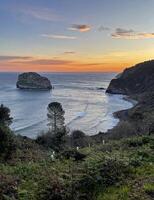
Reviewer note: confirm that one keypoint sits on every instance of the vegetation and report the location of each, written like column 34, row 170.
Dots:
column 5, row 119
column 6, row 137
column 120, row 169
column 116, row 170
column 56, row 117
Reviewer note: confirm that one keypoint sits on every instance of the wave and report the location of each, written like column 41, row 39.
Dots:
column 101, row 88
column 79, row 115
column 16, row 130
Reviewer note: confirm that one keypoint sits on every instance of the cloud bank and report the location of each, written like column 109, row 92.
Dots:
column 131, row 34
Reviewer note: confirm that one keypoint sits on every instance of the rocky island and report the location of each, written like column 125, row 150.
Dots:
column 32, row 80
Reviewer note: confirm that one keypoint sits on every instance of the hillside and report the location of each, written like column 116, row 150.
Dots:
column 137, row 83
column 116, row 170
column 135, row 80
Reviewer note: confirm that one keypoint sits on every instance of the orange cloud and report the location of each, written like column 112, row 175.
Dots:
column 80, row 27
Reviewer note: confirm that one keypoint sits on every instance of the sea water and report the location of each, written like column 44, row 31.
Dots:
column 87, row 107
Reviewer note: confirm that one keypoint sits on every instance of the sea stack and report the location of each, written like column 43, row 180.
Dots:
column 32, row 80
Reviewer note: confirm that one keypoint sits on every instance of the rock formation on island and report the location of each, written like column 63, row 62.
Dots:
column 32, row 80
column 135, row 80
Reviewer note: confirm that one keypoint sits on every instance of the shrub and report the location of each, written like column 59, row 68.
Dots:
column 134, row 142
column 8, row 187
column 79, row 139
column 53, row 189
column 85, row 187
column 135, row 162
column 54, row 141
column 149, row 189
column 113, row 171
column 5, row 119
column 74, row 154
column 7, row 144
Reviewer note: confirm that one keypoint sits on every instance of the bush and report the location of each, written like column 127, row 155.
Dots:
column 54, row 141
column 7, row 143
column 113, row 171
column 85, row 187
column 79, row 139
column 53, row 189
column 134, row 142
column 5, row 119
column 149, row 189
column 8, row 187
column 74, row 154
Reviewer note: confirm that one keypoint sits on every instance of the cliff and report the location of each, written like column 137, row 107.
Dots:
column 135, row 80
column 138, row 83
column 32, row 80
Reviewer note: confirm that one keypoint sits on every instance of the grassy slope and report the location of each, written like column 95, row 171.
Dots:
column 29, row 174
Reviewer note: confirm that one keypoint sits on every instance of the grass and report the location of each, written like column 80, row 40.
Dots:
column 115, row 193
column 149, row 188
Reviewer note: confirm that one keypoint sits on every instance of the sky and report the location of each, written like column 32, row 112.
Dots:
column 75, row 35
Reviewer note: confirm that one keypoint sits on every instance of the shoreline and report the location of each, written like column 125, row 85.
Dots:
column 121, row 115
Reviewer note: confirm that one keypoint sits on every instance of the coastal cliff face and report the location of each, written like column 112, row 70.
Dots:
column 138, row 83
column 32, row 80
column 135, row 80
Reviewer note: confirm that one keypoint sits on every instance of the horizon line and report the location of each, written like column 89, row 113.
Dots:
column 61, row 72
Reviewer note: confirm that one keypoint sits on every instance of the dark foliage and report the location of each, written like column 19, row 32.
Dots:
column 54, row 141
column 112, row 171
column 56, row 117
column 79, row 139
column 8, row 187
column 7, row 143
column 54, row 189
column 5, row 118
column 74, row 154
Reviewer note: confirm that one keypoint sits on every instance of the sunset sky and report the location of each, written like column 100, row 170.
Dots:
column 75, row 35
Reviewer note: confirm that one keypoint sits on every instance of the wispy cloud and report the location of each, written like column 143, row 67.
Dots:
column 45, row 62
column 131, row 34
column 11, row 58
column 36, row 12
column 103, row 28
column 80, row 27
column 42, row 14
column 33, row 60
column 61, row 37
column 69, row 52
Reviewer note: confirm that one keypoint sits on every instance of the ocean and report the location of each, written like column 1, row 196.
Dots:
column 86, row 107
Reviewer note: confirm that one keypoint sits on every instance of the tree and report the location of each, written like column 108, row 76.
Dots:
column 56, row 117
column 5, row 119
column 7, row 144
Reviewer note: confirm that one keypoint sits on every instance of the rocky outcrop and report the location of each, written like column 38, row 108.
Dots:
column 135, row 80
column 32, row 80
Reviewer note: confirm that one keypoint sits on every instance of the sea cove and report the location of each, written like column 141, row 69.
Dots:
column 86, row 107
